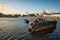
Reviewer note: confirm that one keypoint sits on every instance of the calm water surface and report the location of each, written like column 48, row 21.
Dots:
column 16, row 29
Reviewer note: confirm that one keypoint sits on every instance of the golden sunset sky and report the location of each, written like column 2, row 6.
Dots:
column 7, row 9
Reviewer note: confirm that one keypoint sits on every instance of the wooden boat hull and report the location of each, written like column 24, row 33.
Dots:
column 43, row 30
column 43, row 26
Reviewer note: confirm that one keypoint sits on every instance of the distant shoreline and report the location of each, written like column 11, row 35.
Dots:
column 9, row 17
column 29, row 16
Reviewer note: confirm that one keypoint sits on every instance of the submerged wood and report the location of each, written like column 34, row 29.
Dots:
column 26, row 21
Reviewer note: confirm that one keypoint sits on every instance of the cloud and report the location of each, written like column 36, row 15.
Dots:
column 7, row 9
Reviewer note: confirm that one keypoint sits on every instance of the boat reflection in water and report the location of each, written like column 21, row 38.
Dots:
column 42, row 25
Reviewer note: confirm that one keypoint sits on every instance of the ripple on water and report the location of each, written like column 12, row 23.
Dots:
column 16, row 29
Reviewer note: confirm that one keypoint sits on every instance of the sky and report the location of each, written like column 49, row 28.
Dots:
column 31, row 6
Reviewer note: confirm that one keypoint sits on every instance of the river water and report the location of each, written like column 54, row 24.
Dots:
column 16, row 29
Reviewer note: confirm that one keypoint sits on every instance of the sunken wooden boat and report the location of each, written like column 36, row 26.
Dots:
column 42, row 25
column 26, row 21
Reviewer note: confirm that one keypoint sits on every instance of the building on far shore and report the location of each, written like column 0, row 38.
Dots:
column 53, row 15
column 44, row 14
column 57, row 15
